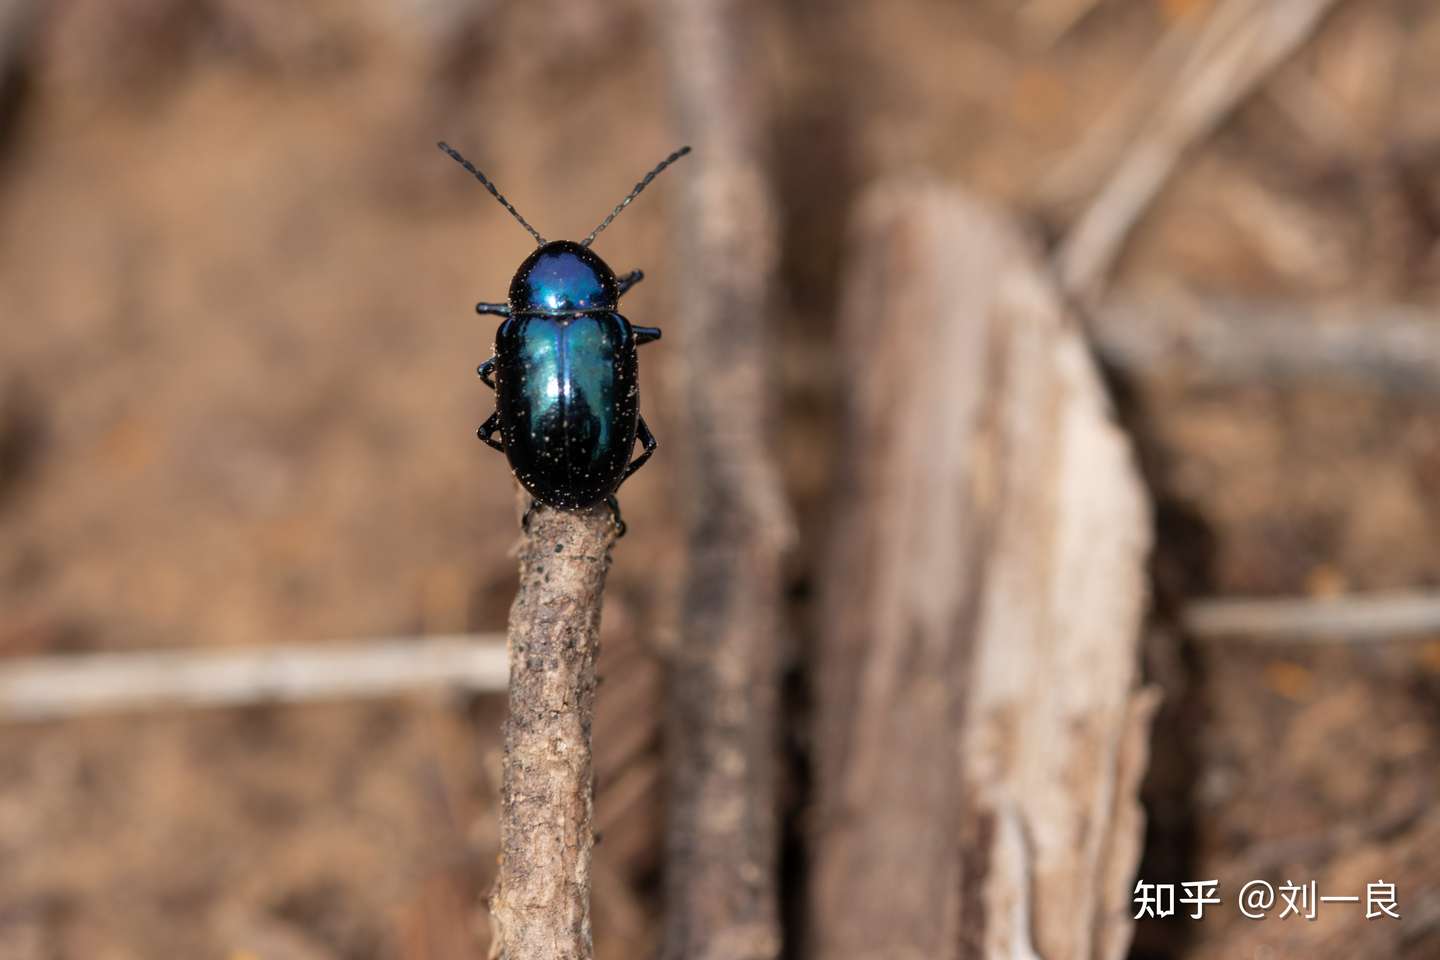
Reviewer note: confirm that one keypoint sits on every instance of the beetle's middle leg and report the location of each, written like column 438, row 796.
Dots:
column 647, row 440
column 487, row 431
column 484, row 370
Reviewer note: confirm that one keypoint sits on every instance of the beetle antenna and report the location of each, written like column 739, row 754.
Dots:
column 455, row 155
column 634, row 193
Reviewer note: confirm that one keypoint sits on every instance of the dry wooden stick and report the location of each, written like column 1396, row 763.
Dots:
column 1351, row 619
column 57, row 687
column 1185, row 45
column 19, row 20
column 721, row 839
column 979, row 732
column 1047, row 21
column 47, row 688
column 1224, row 341
column 540, row 909
column 1205, row 92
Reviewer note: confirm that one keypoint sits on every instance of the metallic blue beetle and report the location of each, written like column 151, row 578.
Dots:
column 566, row 382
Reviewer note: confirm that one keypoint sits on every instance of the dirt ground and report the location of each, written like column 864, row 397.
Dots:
column 237, row 404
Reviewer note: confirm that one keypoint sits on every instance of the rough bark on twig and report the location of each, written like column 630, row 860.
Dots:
column 980, row 737
column 720, row 736
column 541, row 906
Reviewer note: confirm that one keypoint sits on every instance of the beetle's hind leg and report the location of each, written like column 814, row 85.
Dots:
column 628, row 280
column 487, row 431
column 647, row 440
column 614, row 506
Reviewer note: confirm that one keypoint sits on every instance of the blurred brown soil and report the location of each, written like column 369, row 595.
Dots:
column 237, row 401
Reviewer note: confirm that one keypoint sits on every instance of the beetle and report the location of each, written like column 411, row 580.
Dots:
column 564, row 369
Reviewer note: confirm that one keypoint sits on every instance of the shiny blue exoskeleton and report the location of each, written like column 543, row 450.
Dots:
column 564, row 371
column 566, row 382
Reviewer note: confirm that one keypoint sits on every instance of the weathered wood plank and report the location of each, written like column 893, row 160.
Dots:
column 980, row 733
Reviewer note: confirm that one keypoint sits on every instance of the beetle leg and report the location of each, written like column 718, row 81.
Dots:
column 647, row 440
column 614, row 506
column 487, row 431
column 525, row 519
column 646, row 334
column 484, row 370
column 629, row 280
column 499, row 309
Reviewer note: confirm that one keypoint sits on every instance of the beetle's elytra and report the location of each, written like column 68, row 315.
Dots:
column 564, row 371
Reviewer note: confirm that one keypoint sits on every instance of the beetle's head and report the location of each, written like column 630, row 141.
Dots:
column 563, row 276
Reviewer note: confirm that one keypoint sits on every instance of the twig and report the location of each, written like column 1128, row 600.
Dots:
column 45, row 688
column 1203, row 95
column 1389, row 346
column 1084, row 166
column 1047, row 21
column 56, row 687
column 541, row 906
column 1397, row 616
column 19, row 20
column 721, row 839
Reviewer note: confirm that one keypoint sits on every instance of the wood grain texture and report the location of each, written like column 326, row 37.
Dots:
column 980, row 737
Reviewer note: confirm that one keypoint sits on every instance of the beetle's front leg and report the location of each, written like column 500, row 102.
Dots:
column 484, row 370
column 645, row 335
column 487, row 431
column 498, row 309
column 628, row 280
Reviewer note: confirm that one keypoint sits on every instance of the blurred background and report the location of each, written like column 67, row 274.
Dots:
column 237, row 405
